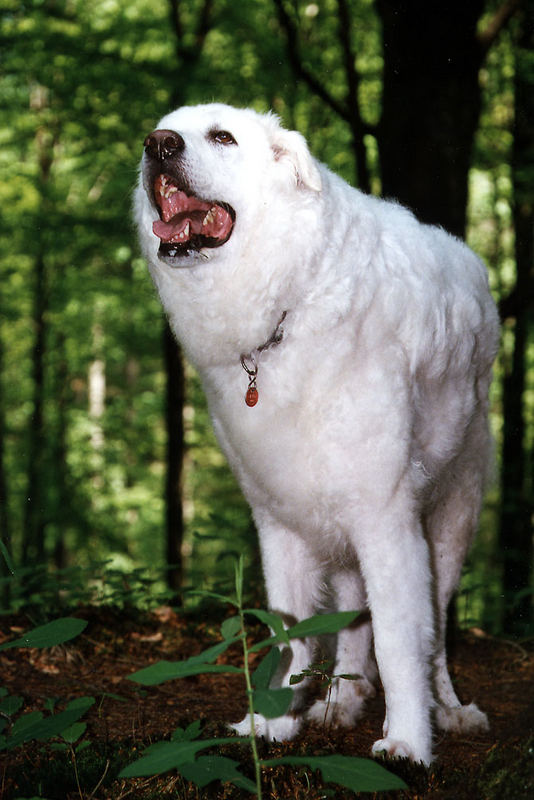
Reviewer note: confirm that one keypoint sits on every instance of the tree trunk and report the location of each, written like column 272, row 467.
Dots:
column 187, row 58
column 430, row 106
column 175, row 457
column 516, row 529
column 34, row 527
column 4, row 513
column 59, row 456
column 33, row 541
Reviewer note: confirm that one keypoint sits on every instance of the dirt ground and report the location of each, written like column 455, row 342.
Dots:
column 497, row 674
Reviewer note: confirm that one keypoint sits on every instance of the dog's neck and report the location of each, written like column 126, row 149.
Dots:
column 250, row 361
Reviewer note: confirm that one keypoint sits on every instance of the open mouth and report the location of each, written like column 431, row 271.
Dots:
column 186, row 223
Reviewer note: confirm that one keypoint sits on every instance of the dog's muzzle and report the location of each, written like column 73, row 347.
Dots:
column 187, row 223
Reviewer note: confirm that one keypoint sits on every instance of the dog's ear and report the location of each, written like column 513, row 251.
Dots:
column 290, row 148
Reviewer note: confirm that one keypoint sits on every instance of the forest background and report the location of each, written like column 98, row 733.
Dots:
column 112, row 487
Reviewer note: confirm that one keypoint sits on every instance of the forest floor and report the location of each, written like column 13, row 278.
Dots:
column 126, row 718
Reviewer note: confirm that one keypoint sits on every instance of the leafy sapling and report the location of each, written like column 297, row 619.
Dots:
column 183, row 751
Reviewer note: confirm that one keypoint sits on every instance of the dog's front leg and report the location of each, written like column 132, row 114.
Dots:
column 293, row 583
column 395, row 563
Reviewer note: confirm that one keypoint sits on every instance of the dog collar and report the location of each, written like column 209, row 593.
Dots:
column 250, row 362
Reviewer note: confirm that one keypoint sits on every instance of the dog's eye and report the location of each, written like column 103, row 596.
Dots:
column 222, row 137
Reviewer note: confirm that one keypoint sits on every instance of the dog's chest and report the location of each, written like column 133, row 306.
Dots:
column 282, row 456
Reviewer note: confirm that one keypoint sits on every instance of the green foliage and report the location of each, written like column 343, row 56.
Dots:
column 45, row 590
column 82, row 83
column 17, row 730
column 49, row 635
column 181, row 751
column 34, row 725
column 358, row 774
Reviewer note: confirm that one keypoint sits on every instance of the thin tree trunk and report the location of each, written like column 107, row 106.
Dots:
column 5, row 527
column 187, row 57
column 62, row 499
column 33, row 540
column 34, row 527
column 516, row 530
column 175, row 457
column 515, row 535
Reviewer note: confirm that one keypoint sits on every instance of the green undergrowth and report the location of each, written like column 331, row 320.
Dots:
column 50, row 754
column 65, row 760
column 185, row 751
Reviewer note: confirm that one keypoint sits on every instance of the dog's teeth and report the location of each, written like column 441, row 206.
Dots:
column 210, row 217
column 185, row 233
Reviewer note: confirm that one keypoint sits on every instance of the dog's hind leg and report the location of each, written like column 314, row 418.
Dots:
column 346, row 697
column 451, row 526
column 293, row 580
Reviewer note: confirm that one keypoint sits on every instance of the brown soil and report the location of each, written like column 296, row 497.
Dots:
column 498, row 675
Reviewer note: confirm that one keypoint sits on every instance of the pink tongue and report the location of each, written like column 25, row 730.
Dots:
column 175, row 229
column 214, row 222
column 184, row 216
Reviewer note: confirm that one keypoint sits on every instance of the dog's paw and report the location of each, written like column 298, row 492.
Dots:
column 339, row 715
column 461, row 719
column 344, row 705
column 324, row 713
column 395, row 748
column 281, row 729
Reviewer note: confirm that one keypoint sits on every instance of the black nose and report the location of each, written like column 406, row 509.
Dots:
column 162, row 144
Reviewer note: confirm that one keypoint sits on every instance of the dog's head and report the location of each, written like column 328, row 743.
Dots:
column 208, row 171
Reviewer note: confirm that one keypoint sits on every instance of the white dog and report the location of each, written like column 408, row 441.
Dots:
column 345, row 350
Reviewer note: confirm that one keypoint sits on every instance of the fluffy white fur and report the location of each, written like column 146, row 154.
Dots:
column 365, row 458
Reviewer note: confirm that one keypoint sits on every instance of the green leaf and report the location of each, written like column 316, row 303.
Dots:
column 10, row 705
column 272, row 702
column 35, row 726
column 188, row 734
column 294, row 679
column 78, row 703
column 266, row 669
column 163, row 756
column 209, row 655
column 25, row 721
column 58, row 747
column 322, row 623
column 49, row 635
column 313, row 626
column 357, row 774
column 230, row 627
column 74, row 732
column 170, row 670
column 163, row 670
column 238, row 571
column 215, row 768
column 7, row 557
column 273, row 621
column 214, row 595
